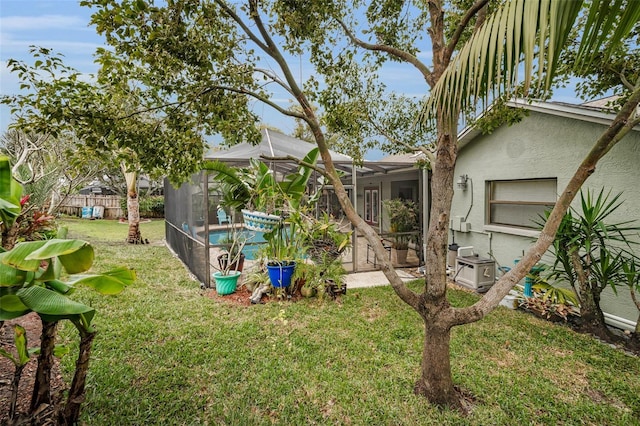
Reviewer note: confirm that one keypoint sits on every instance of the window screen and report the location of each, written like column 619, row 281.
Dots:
column 520, row 203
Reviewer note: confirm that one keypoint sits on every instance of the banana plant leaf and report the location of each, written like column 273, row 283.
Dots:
column 53, row 306
column 20, row 341
column 112, row 282
column 11, row 307
column 17, row 257
column 75, row 255
column 10, row 277
column 126, row 275
column 295, row 184
column 59, row 286
column 52, row 272
column 21, row 344
column 10, row 192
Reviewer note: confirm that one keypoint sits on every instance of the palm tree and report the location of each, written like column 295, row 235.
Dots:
column 500, row 51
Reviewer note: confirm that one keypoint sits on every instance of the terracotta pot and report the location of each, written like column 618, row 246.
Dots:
column 401, row 255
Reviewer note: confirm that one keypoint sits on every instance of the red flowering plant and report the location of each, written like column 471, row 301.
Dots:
column 37, row 226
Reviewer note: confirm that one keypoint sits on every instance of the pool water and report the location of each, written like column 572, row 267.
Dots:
column 250, row 250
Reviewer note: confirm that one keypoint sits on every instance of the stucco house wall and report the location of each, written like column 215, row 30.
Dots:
column 542, row 145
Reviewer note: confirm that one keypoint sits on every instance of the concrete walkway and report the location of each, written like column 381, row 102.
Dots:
column 373, row 279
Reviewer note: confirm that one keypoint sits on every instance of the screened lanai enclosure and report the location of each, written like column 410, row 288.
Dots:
column 196, row 228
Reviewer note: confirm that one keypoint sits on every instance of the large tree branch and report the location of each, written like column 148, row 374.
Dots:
column 260, row 98
column 272, row 50
column 275, row 79
column 471, row 12
column 390, row 50
column 233, row 15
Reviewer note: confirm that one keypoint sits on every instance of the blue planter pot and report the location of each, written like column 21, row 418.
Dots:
column 528, row 281
column 280, row 273
column 226, row 284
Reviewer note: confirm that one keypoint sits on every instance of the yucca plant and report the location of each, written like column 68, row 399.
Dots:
column 590, row 252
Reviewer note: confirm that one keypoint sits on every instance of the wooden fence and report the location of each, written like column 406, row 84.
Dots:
column 73, row 205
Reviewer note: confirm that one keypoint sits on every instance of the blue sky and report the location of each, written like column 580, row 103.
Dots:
column 63, row 25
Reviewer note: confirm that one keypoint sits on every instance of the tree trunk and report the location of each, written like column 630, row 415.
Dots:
column 436, row 383
column 71, row 411
column 15, row 384
column 591, row 315
column 10, row 235
column 133, row 208
column 41, row 387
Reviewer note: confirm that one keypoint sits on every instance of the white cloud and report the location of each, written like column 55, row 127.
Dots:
column 10, row 46
column 425, row 55
column 77, row 54
column 42, row 22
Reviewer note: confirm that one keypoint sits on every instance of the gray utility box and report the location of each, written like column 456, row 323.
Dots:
column 475, row 272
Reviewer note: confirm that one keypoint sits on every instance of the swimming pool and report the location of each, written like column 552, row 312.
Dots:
column 250, row 250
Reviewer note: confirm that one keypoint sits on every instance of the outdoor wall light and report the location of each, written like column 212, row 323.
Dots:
column 462, row 182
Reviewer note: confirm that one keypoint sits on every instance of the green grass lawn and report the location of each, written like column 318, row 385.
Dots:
column 165, row 354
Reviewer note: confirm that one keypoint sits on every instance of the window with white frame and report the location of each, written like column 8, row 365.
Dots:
column 520, row 203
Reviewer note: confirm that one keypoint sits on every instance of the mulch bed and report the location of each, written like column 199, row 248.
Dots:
column 241, row 297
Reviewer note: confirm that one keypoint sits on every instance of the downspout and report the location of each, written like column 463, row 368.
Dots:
column 426, row 210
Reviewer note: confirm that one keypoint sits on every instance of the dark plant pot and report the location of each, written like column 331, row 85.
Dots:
column 323, row 250
column 333, row 290
column 280, row 273
column 224, row 258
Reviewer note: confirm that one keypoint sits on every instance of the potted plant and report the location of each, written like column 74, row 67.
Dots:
column 234, row 243
column 333, row 273
column 256, row 192
column 284, row 246
column 325, row 237
column 256, row 278
column 307, row 278
column 403, row 219
column 228, row 273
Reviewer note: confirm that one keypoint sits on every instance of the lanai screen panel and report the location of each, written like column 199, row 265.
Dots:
column 185, row 226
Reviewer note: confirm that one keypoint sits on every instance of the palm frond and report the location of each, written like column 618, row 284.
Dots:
column 518, row 36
